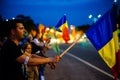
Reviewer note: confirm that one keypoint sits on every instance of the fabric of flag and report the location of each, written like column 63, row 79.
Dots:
column 104, row 37
column 63, row 26
column 56, row 48
column 51, row 33
column 41, row 28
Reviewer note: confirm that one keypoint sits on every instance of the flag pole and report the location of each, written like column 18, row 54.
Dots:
column 63, row 53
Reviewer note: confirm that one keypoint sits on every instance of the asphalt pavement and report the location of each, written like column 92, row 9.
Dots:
column 69, row 68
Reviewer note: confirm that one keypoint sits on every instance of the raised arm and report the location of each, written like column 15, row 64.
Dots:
column 36, row 60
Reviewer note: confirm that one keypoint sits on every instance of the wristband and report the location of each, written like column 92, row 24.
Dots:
column 50, row 59
column 26, row 60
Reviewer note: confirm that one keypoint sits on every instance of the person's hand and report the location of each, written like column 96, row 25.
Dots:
column 48, row 40
column 54, row 59
column 52, row 65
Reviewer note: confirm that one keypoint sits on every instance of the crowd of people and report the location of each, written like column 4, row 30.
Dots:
column 23, row 57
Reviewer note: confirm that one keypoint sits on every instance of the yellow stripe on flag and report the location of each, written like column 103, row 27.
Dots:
column 108, row 52
column 63, row 26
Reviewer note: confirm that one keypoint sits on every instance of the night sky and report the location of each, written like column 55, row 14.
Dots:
column 49, row 12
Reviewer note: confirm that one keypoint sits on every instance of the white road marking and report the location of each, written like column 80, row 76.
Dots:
column 87, row 63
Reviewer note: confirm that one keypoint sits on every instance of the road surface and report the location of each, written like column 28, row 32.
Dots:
column 72, row 67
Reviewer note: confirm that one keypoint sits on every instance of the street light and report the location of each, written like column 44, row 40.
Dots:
column 6, row 19
column 13, row 18
column 94, row 19
column 90, row 16
column 99, row 15
column 115, row 1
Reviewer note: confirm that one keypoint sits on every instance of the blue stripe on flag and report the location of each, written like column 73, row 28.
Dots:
column 101, row 32
column 61, row 22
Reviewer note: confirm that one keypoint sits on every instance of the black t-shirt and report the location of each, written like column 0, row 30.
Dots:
column 36, row 48
column 10, row 68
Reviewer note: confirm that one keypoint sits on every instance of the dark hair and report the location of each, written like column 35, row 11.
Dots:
column 25, row 45
column 11, row 24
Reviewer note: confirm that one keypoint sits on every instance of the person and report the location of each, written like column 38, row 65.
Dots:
column 11, row 56
column 40, row 49
column 30, row 72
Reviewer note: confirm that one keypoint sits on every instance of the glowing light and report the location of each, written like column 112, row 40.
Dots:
column 99, row 15
column 90, row 16
column 57, row 32
column 60, row 33
column 6, row 19
column 13, row 18
column 72, row 27
column 47, row 29
column 115, row 1
column 52, row 30
column 54, row 41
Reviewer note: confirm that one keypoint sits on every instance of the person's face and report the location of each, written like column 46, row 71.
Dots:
column 29, row 49
column 39, row 35
column 33, row 32
column 20, row 31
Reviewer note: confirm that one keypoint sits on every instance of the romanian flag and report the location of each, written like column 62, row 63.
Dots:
column 63, row 26
column 104, row 37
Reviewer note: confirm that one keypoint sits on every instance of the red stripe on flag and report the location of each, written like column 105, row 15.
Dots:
column 65, row 34
column 116, row 67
